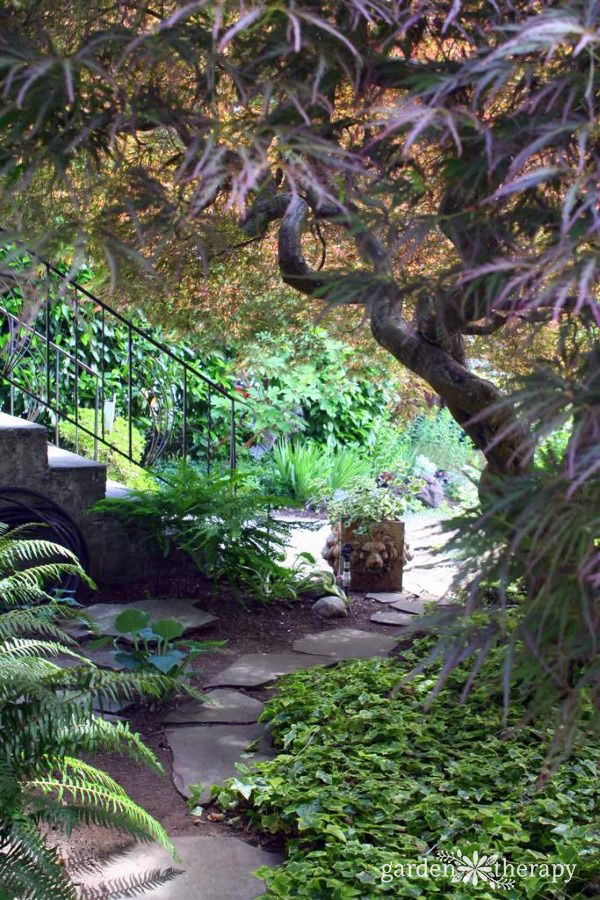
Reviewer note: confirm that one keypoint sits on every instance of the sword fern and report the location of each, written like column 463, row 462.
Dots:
column 48, row 719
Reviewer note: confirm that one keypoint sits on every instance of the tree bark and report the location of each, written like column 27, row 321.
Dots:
column 429, row 350
column 472, row 401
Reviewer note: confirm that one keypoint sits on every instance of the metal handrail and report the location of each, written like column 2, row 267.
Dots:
column 160, row 439
column 135, row 328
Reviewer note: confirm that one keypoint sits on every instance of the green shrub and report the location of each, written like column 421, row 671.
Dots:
column 366, row 777
column 345, row 465
column 390, row 449
column 439, row 438
column 48, row 721
column 551, row 449
column 307, row 471
column 118, row 467
column 302, row 468
column 225, row 526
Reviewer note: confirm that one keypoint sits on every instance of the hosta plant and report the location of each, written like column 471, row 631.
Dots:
column 48, row 728
column 154, row 646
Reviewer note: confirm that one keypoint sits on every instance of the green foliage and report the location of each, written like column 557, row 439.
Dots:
column 552, row 448
column 224, row 525
column 440, row 439
column 118, row 466
column 313, row 385
column 365, row 777
column 308, row 471
column 345, row 465
column 366, row 504
column 145, row 646
column 48, row 720
column 390, row 449
column 301, row 468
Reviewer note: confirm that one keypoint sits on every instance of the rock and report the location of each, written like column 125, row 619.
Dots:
column 222, row 706
column 104, row 615
column 391, row 617
column 207, row 754
column 432, row 492
column 346, row 643
column 331, row 607
column 254, row 669
column 211, row 868
column 103, row 658
column 389, row 596
column 414, row 606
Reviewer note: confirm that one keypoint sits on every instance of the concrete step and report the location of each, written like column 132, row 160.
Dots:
column 58, row 458
column 22, row 451
column 116, row 489
column 76, row 482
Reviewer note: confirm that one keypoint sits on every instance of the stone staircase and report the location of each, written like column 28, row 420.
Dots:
column 29, row 462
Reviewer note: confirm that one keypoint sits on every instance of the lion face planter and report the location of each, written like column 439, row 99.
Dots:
column 376, row 558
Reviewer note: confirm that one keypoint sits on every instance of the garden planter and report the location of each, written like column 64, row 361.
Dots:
column 377, row 556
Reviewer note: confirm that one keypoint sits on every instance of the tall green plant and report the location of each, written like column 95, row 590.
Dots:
column 48, row 721
column 221, row 523
column 302, row 468
column 345, row 465
column 440, row 439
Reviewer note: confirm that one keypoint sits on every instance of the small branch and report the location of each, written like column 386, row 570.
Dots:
column 491, row 327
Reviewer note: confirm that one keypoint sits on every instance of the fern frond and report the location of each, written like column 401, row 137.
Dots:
column 15, row 552
column 40, row 620
column 47, row 720
column 132, row 886
column 116, row 805
column 19, row 647
column 29, row 870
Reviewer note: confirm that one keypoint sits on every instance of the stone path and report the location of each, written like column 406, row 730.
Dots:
column 391, row 617
column 222, row 706
column 255, row 669
column 346, row 643
column 104, row 615
column 207, row 754
column 207, row 739
column 211, row 868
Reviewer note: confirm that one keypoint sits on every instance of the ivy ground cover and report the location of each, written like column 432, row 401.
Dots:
column 365, row 779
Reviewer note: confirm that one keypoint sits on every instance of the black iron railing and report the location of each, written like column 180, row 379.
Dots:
column 68, row 357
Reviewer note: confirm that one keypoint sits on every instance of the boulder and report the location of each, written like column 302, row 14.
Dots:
column 331, row 607
column 432, row 492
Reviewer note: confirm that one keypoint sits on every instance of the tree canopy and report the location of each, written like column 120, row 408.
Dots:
column 445, row 159
column 454, row 148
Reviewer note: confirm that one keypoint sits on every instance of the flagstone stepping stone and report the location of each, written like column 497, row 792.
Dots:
column 210, row 868
column 255, row 669
column 104, row 658
column 389, row 596
column 414, row 607
column 346, row 643
column 391, row 617
column 221, row 706
column 104, row 614
column 106, row 707
column 207, row 754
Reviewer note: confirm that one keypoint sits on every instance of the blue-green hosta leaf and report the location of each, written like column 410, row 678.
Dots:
column 164, row 662
column 131, row 620
column 129, row 660
column 168, row 629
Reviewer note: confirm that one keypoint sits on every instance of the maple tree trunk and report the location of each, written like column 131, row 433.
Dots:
column 497, row 433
